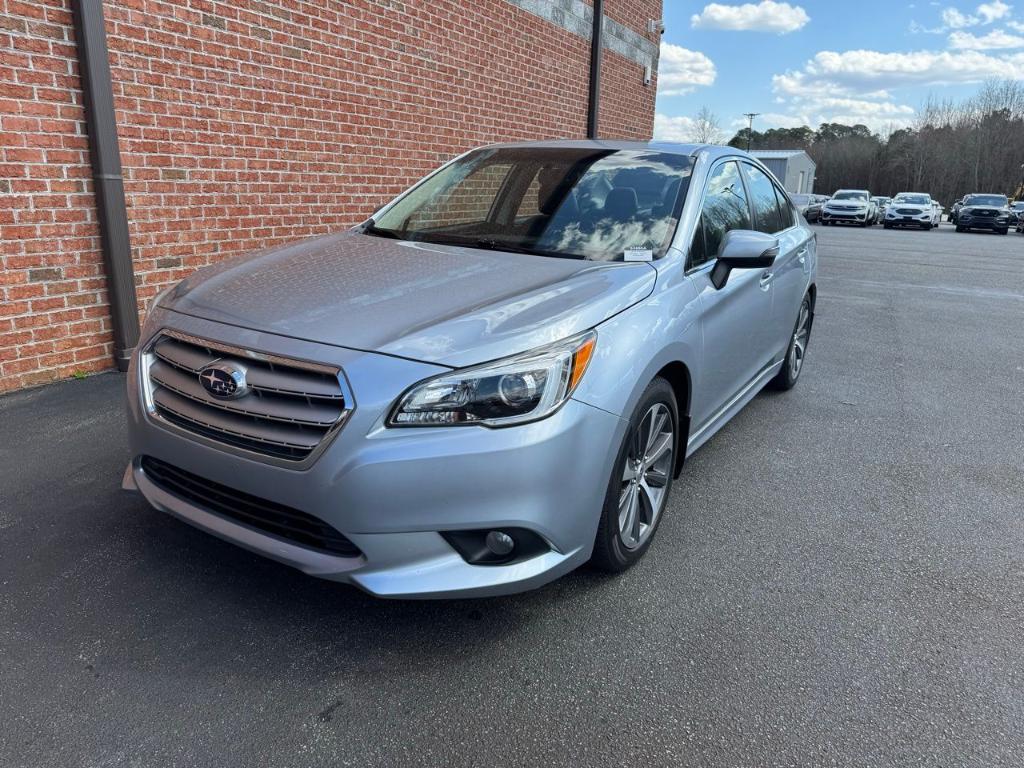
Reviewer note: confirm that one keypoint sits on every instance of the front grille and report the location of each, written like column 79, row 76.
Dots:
column 265, row 516
column 290, row 409
column 909, row 211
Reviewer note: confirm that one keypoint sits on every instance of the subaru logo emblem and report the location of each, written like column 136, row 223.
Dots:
column 224, row 381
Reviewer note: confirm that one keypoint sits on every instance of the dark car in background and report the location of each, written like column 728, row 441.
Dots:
column 809, row 206
column 1016, row 211
column 984, row 211
column 954, row 210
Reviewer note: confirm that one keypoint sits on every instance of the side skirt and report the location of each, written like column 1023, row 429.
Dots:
column 731, row 408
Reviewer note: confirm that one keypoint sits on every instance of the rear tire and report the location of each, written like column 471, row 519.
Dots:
column 796, row 352
column 641, row 480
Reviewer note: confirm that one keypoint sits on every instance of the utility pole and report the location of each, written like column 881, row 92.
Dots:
column 750, row 130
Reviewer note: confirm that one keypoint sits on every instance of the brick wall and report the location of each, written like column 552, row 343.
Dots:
column 243, row 125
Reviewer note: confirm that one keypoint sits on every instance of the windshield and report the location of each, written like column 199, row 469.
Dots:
column 850, row 196
column 998, row 201
column 913, row 199
column 1018, row 205
column 570, row 203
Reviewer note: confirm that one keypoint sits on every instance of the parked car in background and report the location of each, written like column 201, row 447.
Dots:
column 1020, row 224
column 808, row 205
column 880, row 205
column 849, row 206
column 937, row 210
column 984, row 211
column 491, row 381
column 910, row 209
column 955, row 210
column 1016, row 211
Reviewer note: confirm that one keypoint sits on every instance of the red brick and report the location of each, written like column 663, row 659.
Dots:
column 242, row 129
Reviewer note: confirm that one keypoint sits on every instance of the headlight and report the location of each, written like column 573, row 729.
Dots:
column 517, row 389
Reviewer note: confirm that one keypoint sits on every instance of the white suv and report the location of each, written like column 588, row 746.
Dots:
column 850, row 206
column 911, row 209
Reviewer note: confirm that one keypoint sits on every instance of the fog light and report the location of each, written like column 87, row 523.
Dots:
column 501, row 544
column 486, row 547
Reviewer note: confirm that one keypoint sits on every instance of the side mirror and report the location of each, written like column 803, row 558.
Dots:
column 743, row 249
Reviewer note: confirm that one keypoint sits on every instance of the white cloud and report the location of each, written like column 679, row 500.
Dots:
column 994, row 11
column 864, row 70
column 681, row 70
column 766, row 16
column 778, row 120
column 993, row 40
column 673, row 128
column 954, row 19
column 986, row 13
column 857, row 86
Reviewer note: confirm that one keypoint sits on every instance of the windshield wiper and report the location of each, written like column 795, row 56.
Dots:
column 489, row 244
column 371, row 228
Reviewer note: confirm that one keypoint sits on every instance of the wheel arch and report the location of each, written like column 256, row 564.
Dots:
column 677, row 374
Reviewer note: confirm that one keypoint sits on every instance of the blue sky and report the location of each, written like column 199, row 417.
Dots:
column 854, row 61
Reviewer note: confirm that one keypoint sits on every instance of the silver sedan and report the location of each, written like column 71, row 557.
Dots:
column 492, row 381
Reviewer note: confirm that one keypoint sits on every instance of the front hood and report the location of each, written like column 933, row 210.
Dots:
column 440, row 304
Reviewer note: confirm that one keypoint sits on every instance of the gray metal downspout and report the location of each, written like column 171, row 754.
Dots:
column 94, row 71
column 596, row 46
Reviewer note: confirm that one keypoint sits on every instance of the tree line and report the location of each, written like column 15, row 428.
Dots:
column 951, row 149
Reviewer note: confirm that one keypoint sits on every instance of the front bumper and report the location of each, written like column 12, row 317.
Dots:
column 853, row 217
column 392, row 491
column 984, row 222
column 908, row 220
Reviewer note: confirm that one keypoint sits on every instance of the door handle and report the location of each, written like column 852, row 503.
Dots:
column 766, row 279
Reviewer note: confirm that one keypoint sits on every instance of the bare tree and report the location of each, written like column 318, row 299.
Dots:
column 951, row 149
column 706, row 127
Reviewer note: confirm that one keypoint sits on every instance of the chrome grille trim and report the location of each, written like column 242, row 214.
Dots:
column 292, row 412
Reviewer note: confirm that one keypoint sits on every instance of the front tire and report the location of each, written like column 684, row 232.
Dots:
column 793, row 363
column 641, row 480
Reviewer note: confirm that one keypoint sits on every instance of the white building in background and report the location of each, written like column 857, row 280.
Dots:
column 793, row 167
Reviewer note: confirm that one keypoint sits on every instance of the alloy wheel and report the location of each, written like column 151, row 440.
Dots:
column 645, row 477
column 798, row 344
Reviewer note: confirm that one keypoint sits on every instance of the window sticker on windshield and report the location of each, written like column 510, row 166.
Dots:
column 638, row 253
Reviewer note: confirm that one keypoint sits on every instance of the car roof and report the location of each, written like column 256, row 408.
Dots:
column 670, row 147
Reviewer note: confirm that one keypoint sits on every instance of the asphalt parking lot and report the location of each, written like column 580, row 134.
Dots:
column 839, row 581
